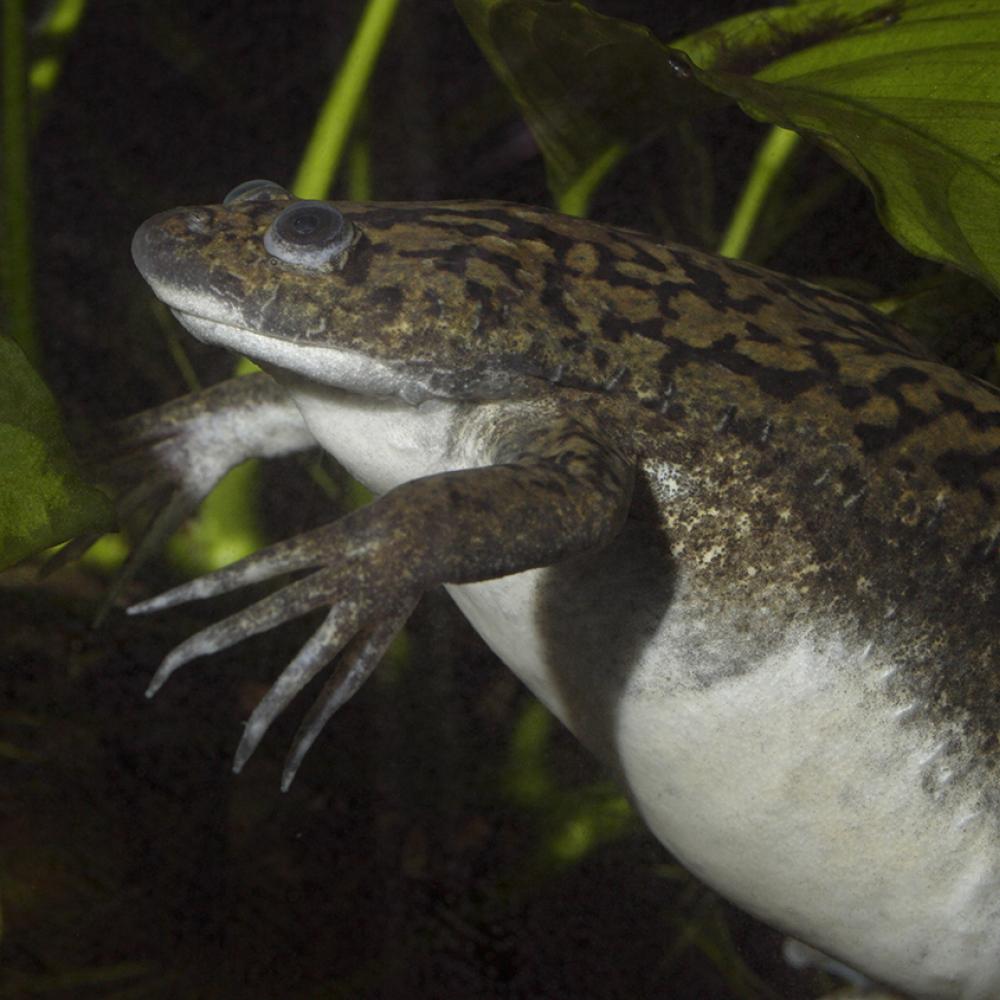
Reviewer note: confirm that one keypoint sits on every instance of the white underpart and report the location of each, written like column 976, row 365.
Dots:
column 794, row 790
column 383, row 442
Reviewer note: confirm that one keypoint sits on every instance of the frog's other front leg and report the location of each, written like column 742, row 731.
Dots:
column 166, row 460
column 553, row 491
column 186, row 446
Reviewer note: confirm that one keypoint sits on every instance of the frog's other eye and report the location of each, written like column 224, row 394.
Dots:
column 256, row 190
column 309, row 233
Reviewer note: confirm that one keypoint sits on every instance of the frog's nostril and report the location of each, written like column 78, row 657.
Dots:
column 198, row 221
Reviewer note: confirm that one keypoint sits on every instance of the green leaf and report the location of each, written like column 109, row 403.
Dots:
column 43, row 500
column 590, row 87
column 906, row 95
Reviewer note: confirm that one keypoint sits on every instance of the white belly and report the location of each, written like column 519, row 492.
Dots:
column 796, row 786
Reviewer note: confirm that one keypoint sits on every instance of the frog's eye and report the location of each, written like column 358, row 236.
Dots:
column 258, row 190
column 309, row 233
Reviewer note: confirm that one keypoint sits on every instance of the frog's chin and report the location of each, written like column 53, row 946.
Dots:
column 326, row 365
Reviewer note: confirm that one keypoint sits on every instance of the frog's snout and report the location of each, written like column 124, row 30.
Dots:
column 159, row 243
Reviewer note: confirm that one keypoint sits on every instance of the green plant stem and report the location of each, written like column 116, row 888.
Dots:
column 575, row 200
column 359, row 170
column 15, row 231
column 326, row 144
column 769, row 163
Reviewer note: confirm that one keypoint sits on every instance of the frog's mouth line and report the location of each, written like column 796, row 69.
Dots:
column 325, row 364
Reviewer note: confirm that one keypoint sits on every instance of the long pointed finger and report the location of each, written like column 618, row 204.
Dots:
column 321, row 648
column 70, row 552
column 162, row 527
column 357, row 663
column 297, row 553
column 290, row 602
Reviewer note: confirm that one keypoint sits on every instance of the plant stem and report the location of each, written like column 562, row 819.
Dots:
column 575, row 200
column 326, row 144
column 15, row 232
column 771, row 159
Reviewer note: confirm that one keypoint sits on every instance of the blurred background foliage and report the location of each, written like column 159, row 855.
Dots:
column 444, row 838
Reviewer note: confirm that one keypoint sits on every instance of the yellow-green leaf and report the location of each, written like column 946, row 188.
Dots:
column 43, row 500
column 906, row 95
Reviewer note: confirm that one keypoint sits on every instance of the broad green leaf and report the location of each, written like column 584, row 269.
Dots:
column 43, row 500
column 590, row 87
column 906, row 95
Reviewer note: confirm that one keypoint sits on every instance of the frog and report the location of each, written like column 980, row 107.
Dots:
column 737, row 531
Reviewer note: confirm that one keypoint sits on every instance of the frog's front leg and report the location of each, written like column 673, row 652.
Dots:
column 186, row 446
column 554, row 490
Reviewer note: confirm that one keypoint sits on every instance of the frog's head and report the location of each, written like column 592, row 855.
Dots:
column 414, row 300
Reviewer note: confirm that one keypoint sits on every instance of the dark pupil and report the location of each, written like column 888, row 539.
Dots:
column 310, row 225
column 306, row 223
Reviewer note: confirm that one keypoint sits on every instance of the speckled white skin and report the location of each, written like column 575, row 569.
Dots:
column 382, row 442
column 794, row 790
column 795, row 783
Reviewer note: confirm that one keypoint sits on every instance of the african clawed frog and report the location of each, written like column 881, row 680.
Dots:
column 738, row 532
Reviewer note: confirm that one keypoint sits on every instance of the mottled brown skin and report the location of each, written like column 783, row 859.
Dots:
column 863, row 450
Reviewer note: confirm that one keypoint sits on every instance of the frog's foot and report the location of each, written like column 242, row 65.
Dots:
column 564, row 489
column 367, row 609
column 169, row 502
column 357, row 662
